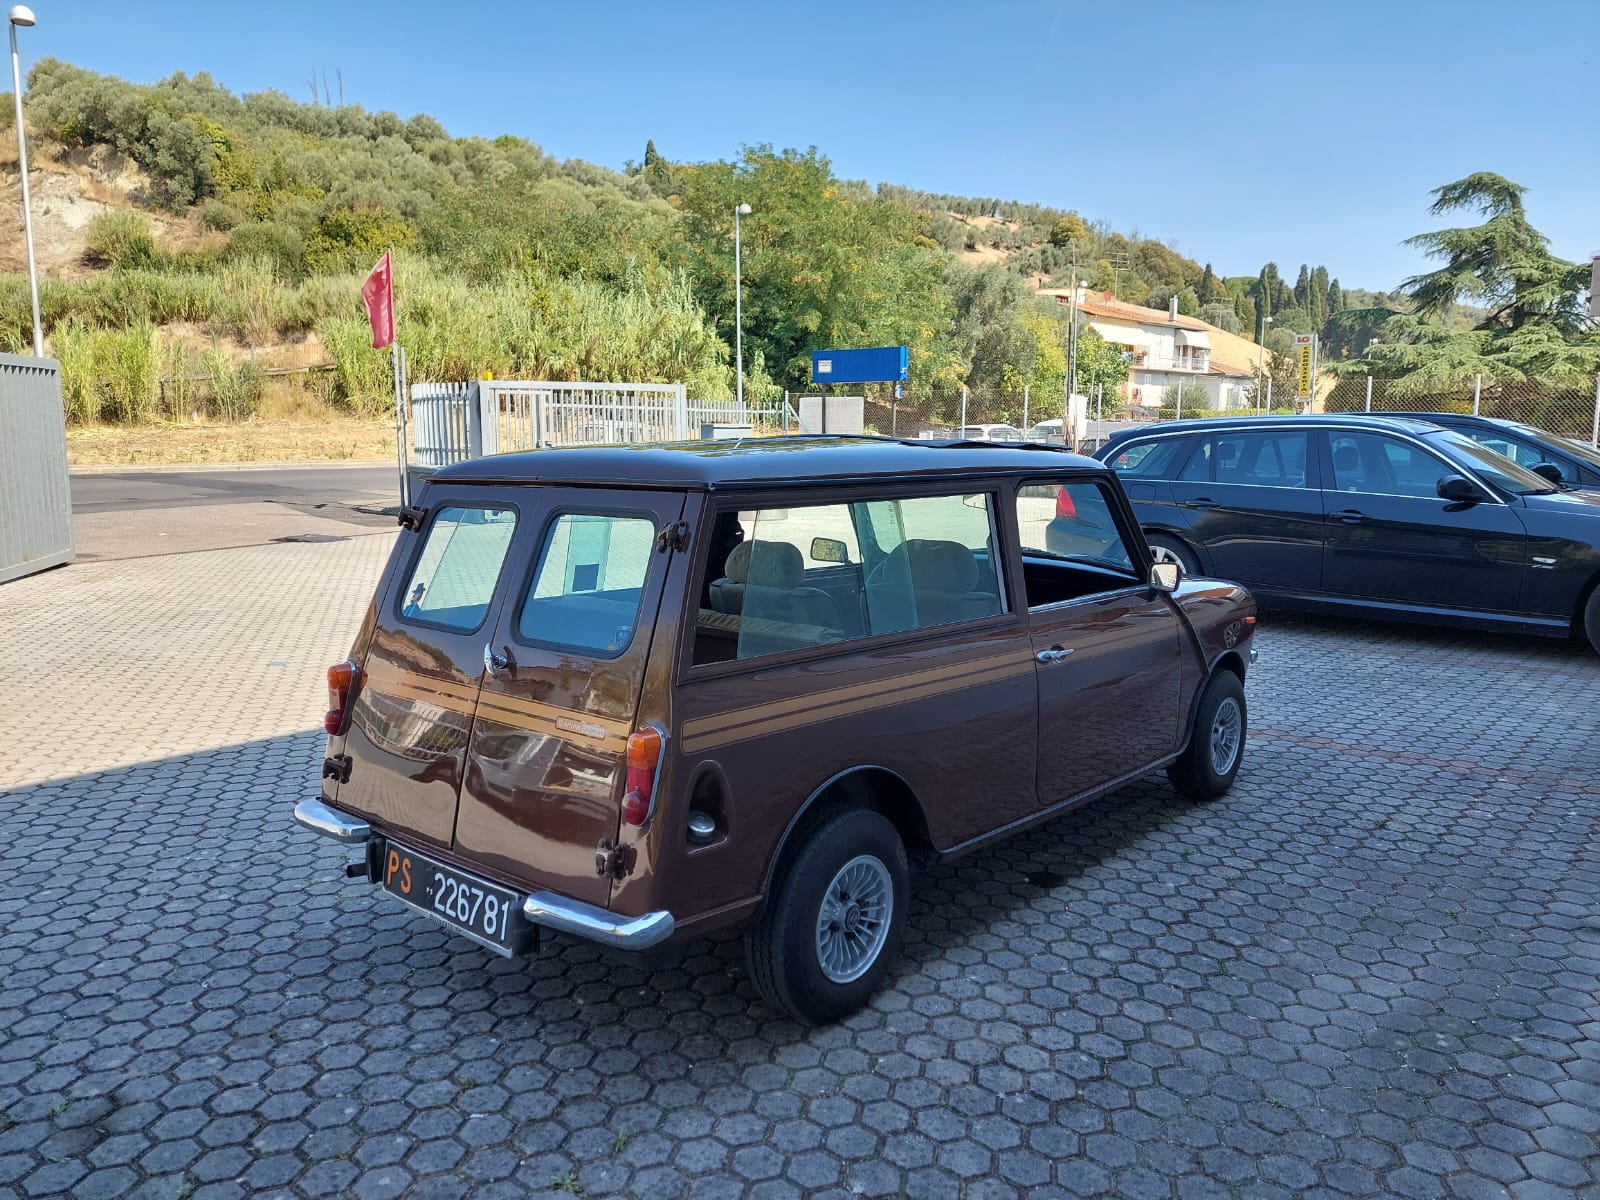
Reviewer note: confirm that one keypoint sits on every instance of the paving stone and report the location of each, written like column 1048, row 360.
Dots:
column 1369, row 971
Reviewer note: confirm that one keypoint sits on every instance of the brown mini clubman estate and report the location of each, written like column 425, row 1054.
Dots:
column 647, row 693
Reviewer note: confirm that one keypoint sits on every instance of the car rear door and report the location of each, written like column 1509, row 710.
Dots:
column 406, row 740
column 566, row 661
column 1253, row 505
column 1387, row 535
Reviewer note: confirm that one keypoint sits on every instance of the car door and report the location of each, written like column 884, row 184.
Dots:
column 1252, row 503
column 566, row 661
column 1108, row 651
column 1387, row 535
column 412, row 716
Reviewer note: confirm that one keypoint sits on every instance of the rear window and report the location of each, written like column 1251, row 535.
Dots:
column 1152, row 459
column 454, row 579
column 585, row 594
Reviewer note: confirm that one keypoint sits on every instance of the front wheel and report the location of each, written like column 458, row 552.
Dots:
column 1207, row 767
column 834, row 920
column 1591, row 619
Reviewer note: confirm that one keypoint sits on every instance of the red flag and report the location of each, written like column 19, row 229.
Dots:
column 377, row 293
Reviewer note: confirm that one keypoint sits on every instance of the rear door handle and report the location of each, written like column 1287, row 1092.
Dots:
column 495, row 663
column 1350, row 516
column 1053, row 655
column 1202, row 502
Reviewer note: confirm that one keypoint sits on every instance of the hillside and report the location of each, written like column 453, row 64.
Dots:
column 186, row 232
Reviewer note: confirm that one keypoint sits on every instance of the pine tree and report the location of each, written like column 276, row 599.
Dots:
column 651, row 158
column 1335, row 298
column 1317, row 298
column 1302, row 288
column 1208, row 286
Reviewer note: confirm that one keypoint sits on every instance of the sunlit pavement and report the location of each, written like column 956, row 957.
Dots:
column 1371, row 970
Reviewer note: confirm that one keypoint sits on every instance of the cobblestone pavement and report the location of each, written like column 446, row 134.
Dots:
column 1371, row 970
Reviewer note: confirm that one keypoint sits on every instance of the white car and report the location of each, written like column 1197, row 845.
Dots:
column 990, row 433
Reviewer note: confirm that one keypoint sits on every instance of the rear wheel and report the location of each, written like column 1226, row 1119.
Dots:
column 1216, row 743
column 1166, row 548
column 834, row 919
column 1591, row 619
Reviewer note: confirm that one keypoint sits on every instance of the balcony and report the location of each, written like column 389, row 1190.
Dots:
column 1197, row 364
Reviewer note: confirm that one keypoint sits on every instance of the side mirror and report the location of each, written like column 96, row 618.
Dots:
column 829, row 550
column 1459, row 490
column 1549, row 471
column 1164, row 576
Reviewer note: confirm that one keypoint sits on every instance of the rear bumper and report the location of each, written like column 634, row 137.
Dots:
column 548, row 909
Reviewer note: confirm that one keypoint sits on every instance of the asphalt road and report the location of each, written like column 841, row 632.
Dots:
column 354, row 488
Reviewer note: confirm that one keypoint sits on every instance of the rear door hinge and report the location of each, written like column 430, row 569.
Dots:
column 673, row 537
column 412, row 516
column 337, row 768
column 612, row 862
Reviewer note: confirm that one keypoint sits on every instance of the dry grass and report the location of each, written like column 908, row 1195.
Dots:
column 339, row 439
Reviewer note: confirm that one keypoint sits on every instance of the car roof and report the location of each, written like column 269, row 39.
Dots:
column 758, row 462
column 1390, row 421
column 1450, row 418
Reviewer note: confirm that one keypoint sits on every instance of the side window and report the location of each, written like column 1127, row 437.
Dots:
column 585, row 593
column 783, row 579
column 1377, row 464
column 1260, row 459
column 455, row 576
column 1524, row 454
column 1154, row 459
column 1070, row 521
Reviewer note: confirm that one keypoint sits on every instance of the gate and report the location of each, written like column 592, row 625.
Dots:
column 35, row 498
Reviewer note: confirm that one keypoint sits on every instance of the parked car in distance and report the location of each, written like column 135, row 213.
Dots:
column 1561, row 460
column 1362, row 513
column 990, row 433
column 643, row 694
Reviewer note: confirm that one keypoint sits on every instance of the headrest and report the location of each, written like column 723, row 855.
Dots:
column 934, row 566
column 765, row 564
column 1347, row 457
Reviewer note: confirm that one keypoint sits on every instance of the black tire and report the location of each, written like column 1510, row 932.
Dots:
column 782, row 947
column 1591, row 620
column 1207, row 767
column 1176, row 550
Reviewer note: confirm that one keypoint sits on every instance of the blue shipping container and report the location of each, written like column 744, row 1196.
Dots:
column 879, row 364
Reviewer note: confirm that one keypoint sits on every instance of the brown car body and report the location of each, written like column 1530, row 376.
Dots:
column 957, row 734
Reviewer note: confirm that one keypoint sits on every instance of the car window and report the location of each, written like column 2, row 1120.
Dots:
column 769, row 589
column 455, row 576
column 1495, row 468
column 1524, row 454
column 585, row 593
column 1152, row 459
column 1377, row 464
column 1262, row 458
column 1071, row 519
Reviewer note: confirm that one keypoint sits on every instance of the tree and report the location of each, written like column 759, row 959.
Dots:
column 1102, row 367
column 1317, row 298
column 1302, row 288
column 1503, row 265
column 1069, row 229
column 1335, row 298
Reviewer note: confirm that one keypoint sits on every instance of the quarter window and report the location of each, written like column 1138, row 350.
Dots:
column 585, row 594
column 784, row 579
column 454, row 579
column 1154, row 459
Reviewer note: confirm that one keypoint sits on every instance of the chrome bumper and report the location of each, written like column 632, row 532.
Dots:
column 542, row 908
column 330, row 822
column 598, row 924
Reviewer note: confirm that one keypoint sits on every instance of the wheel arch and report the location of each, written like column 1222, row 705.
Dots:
column 877, row 788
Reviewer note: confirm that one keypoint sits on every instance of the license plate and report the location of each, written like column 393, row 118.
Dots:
column 485, row 912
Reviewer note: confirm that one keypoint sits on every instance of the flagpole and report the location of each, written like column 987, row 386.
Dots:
column 397, row 364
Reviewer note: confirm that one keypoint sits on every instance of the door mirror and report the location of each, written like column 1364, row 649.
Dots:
column 1164, row 576
column 1549, row 471
column 829, row 550
column 1459, row 490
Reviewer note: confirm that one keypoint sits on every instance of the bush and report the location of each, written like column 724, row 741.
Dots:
column 108, row 374
column 220, row 216
column 119, row 239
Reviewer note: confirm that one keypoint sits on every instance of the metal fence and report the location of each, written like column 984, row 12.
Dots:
column 35, row 497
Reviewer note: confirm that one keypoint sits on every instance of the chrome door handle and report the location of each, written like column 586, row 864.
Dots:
column 1350, row 516
column 1053, row 655
column 495, row 663
column 1202, row 502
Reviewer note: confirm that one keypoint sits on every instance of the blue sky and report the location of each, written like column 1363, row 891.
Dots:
column 1238, row 132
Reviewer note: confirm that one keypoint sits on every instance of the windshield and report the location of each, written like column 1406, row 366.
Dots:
column 1495, row 468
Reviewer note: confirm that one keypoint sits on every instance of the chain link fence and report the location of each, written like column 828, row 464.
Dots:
column 1571, row 410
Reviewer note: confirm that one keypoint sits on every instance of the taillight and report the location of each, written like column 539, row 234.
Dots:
column 341, row 682
column 644, row 757
column 1064, row 505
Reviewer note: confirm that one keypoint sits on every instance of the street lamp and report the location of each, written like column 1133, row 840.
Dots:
column 742, row 210
column 22, row 15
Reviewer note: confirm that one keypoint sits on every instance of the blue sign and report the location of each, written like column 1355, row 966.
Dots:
column 880, row 364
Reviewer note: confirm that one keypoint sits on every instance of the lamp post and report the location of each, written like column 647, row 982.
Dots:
column 742, row 210
column 22, row 16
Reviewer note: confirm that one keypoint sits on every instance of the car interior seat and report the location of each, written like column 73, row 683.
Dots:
column 924, row 582
column 764, row 583
column 1346, row 466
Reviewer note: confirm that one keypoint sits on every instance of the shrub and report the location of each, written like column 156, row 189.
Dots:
column 219, row 215
column 108, row 374
column 119, row 239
